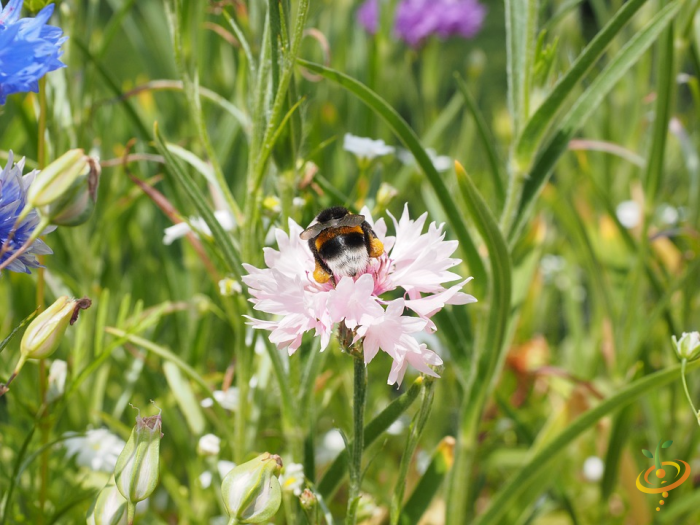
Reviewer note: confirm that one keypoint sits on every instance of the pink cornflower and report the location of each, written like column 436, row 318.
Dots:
column 417, row 262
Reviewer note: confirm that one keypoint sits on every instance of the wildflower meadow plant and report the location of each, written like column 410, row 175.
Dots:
column 418, row 263
column 29, row 48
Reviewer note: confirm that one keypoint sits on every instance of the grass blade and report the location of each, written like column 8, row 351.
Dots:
column 223, row 240
column 545, row 114
column 537, row 463
column 586, row 105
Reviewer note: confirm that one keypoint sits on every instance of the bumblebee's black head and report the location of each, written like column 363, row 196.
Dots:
column 336, row 212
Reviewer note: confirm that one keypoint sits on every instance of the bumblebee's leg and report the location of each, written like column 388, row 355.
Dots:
column 375, row 248
column 322, row 274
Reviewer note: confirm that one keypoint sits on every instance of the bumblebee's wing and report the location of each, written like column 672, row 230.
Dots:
column 312, row 231
column 349, row 220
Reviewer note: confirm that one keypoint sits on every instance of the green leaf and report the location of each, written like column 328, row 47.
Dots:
column 410, row 140
column 223, row 239
column 538, row 462
column 490, row 350
column 334, row 475
column 543, row 117
column 189, row 406
column 521, row 22
column 622, row 423
column 586, row 105
column 17, row 328
column 666, row 444
column 647, row 453
column 429, row 483
column 486, row 138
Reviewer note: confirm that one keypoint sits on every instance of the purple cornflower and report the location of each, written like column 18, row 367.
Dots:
column 13, row 198
column 28, row 49
column 368, row 16
column 416, row 20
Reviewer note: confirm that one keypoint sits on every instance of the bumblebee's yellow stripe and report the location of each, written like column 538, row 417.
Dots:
column 327, row 235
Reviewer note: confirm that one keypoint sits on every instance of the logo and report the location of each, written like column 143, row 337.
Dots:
column 666, row 479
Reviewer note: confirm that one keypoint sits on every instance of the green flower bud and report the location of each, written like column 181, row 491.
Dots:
column 137, row 469
column 688, row 346
column 109, row 507
column 46, row 331
column 251, row 491
column 308, row 500
column 77, row 204
column 54, row 180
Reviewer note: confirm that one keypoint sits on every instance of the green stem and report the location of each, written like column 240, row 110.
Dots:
column 233, row 521
column 130, row 512
column 417, row 427
column 684, row 362
column 359, row 401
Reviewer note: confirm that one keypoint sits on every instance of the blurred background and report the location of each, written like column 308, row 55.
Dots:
column 596, row 304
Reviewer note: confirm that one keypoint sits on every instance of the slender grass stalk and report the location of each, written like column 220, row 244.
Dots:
column 684, row 363
column 359, row 402
column 44, row 425
column 130, row 512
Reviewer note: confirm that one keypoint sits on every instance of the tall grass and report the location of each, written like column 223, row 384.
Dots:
column 558, row 112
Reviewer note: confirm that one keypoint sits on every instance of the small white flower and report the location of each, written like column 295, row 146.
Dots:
column 331, row 445
column 440, row 162
column 227, row 399
column 628, row 213
column 364, row 148
column 209, row 445
column 97, row 450
column 292, row 479
column 593, row 469
column 229, row 287
column 57, row 379
column 181, row 229
column 205, row 479
column 224, row 467
column 668, row 214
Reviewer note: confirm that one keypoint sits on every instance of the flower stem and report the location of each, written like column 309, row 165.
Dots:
column 684, row 362
column 359, row 401
column 130, row 512
column 44, row 424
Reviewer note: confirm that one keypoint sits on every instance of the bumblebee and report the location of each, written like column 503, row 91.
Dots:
column 342, row 243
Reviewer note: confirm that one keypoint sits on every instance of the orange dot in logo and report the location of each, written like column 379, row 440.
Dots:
column 665, row 494
column 660, row 473
column 661, row 502
column 658, row 509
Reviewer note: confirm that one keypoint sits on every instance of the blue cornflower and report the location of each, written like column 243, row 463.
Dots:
column 13, row 198
column 28, row 49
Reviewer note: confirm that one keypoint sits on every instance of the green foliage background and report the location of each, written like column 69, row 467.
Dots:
column 584, row 335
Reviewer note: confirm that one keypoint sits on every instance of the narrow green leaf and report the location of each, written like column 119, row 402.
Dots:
column 521, row 22
column 410, row 140
column 334, row 475
column 487, row 140
column 666, row 444
column 647, row 453
column 223, row 239
column 490, row 353
column 547, row 111
column 429, row 484
column 622, row 424
column 666, row 82
column 185, row 398
column 537, row 464
column 17, row 328
column 586, row 105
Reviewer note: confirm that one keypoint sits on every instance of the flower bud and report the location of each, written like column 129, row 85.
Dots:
column 109, row 508
column 688, row 346
column 54, row 180
column 46, row 331
column 77, row 204
column 308, row 500
column 137, row 469
column 251, row 491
